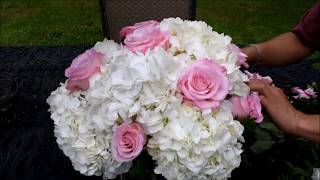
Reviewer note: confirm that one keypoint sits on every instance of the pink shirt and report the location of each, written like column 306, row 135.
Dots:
column 308, row 29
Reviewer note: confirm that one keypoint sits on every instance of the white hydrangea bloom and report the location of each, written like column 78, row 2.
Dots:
column 237, row 85
column 150, row 120
column 195, row 38
column 195, row 146
column 109, row 48
column 185, row 142
column 84, row 121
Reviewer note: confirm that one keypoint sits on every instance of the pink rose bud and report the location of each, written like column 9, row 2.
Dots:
column 127, row 142
column 248, row 106
column 204, row 84
column 242, row 58
column 306, row 94
column 258, row 76
column 82, row 68
column 145, row 35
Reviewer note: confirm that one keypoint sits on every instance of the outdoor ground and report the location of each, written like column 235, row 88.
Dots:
column 77, row 22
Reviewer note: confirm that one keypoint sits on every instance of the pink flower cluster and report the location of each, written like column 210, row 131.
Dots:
column 258, row 76
column 306, row 94
column 242, row 58
column 248, row 106
column 143, row 36
column 128, row 141
column 204, row 84
column 82, row 68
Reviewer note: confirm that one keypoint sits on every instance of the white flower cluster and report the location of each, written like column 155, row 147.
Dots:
column 185, row 142
column 84, row 121
column 197, row 145
column 193, row 40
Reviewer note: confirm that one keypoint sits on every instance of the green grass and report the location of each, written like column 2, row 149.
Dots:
column 249, row 21
column 77, row 22
column 50, row 22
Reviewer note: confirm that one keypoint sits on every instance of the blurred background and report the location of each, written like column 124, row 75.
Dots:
column 77, row 22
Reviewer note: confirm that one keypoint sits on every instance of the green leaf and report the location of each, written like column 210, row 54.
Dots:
column 269, row 126
column 154, row 177
column 142, row 167
column 249, row 125
column 297, row 170
column 262, row 135
column 261, row 146
column 316, row 66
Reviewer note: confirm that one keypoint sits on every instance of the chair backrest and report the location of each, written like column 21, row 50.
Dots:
column 116, row 14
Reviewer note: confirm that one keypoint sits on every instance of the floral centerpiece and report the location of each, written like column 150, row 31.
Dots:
column 173, row 88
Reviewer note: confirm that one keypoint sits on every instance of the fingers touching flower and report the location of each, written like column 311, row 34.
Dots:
column 248, row 106
column 145, row 35
column 258, row 76
column 127, row 142
column 82, row 68
column 307, row 94
column 204, row 84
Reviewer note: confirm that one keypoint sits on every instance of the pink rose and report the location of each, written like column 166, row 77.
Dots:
column 127, row 142
column 248, row 106
column 204, row 84
column 307, row 94
column 143, row 36
column 82, row 68
column 242, row 58
column 258, row 76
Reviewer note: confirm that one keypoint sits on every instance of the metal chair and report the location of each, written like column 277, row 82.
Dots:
column 116, row 14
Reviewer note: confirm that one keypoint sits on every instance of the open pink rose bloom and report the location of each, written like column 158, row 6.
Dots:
column 143, row 36
column 204, row 84
column 82, row 68
column 127, row 142
column 248, row 106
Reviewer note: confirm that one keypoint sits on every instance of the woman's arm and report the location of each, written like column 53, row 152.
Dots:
column 288, row 119
column 282, row 50
column 308, row 126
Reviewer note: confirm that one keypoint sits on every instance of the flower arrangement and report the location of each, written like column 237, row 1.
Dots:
column 173, row 88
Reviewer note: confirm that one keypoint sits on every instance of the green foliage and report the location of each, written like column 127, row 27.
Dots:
column 263, row 143
column 316, row 66
column 77, row 22
column 142, row 169
column 272, row 129
column 271, row 154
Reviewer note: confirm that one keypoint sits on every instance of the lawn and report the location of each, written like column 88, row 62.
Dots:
column 49, row 22
column 250, row 21
column 77, row 22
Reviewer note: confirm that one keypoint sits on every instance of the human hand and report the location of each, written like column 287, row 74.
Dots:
column 277, row 105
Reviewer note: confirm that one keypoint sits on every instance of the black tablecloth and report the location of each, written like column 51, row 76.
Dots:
column 28, row 148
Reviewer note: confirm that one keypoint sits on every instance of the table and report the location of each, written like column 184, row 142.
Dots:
column 28, row 149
